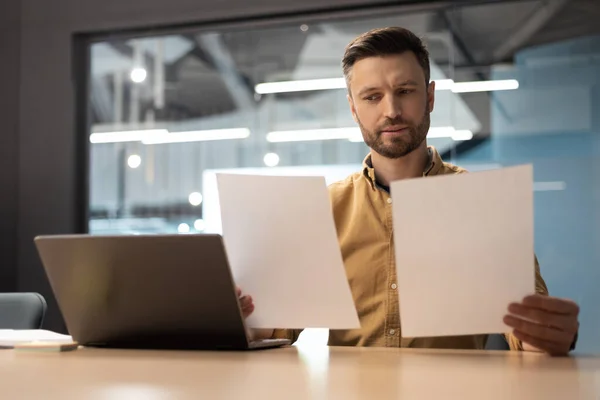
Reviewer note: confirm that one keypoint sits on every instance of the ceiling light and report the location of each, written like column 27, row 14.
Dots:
column 183, row 228
column 199, row 225
column 462, row 135
column 485, row 86
column 138, row 75
column 444, row 84
column 353, row 134
column 161, row 136
column 301, row 86
column 549, row 186
column 126, row 136
column 271, row 159
column 439, row 132
column 198, row 136
column 340, row 83
column 314, row 134
column 134, row 161
column 195, row 199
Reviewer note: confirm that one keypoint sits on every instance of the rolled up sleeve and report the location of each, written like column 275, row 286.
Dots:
column 291, row 334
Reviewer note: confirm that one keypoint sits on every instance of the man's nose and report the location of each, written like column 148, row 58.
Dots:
column 392, row 109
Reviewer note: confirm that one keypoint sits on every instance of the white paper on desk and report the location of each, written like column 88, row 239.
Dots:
column 283, row 250
column 464, row 250
column 12, row 337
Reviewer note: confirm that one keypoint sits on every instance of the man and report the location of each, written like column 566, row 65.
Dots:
column 391, row 97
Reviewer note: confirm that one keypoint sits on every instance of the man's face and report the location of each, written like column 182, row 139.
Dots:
column 391, row 103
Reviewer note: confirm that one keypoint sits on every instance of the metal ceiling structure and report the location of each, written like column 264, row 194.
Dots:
column 207, row 81
column 479, row 36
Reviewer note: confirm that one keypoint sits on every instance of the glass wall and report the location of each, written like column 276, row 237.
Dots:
column 518, row 82
column 169, row 111
column 552, row 122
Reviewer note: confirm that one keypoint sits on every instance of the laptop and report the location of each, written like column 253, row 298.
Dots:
column 147, row 291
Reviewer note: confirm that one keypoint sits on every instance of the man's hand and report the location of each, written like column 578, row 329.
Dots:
column 546, row 323
column 246, row 303
column 247, row 307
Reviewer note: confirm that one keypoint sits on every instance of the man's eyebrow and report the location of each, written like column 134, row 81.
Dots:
column 367, row 90
column 408, row 82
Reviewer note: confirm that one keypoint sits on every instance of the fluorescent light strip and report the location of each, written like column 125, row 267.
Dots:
column 549, row 186
column 162, row 136
column 340, row 83
column 461, row 135
column 485, row 86
column 126, row 136
column 198, row 136
column 300, row 86
column 314, row 134
column 353, row 134
column 449, row 132
column 440, row 132
column 444, row 84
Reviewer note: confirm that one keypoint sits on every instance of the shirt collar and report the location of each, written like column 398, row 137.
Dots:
column 433, row 168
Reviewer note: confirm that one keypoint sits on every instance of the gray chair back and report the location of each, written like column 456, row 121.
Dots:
column 22, row 310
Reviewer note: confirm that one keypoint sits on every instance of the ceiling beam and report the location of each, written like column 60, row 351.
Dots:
column 538, row 19
column 221, row 57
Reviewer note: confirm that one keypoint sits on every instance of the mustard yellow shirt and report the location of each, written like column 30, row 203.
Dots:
column 363, row 219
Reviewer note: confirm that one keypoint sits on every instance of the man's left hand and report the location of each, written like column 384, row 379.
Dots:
column 547, row 323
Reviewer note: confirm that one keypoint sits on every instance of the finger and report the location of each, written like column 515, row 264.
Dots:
column 238, row 291
column 245, row 301
column 538, row 331
column 246, row 312
column 558, row 321
column 552, row 304
column 551, row 348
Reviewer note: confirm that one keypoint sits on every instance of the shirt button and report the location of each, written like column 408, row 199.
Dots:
column 392, row 332
column 389, row 200
column 394, row 286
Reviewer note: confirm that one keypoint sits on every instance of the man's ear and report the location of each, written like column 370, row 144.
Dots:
column 431, row 96
column 352, row 107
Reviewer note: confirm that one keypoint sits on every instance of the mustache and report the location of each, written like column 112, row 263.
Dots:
column 394, row 122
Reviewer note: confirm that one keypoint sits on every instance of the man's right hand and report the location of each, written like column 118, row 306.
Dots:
column 247, row 307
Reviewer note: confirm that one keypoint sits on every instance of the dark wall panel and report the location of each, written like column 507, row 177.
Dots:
column 10, row 13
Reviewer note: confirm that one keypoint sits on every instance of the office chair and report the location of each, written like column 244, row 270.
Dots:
column 496, row 342
column 22, row 310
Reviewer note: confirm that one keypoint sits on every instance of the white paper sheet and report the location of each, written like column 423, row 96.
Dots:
column 11, row 337
column 283, row 250
column 464, row 250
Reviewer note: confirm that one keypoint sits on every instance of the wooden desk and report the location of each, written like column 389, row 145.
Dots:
column 297, row 373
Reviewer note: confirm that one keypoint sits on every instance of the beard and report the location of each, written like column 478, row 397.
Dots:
column 397, row 146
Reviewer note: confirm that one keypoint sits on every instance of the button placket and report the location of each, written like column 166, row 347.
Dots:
column 392, row 323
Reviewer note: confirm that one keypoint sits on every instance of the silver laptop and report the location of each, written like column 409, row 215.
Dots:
column 147, row 291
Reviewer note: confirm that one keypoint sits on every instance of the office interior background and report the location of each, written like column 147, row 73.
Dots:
column 127, row 110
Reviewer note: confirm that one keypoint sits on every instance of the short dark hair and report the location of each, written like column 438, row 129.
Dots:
column 385, row 42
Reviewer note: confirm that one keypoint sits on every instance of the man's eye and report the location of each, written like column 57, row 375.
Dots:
column 372, row 97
